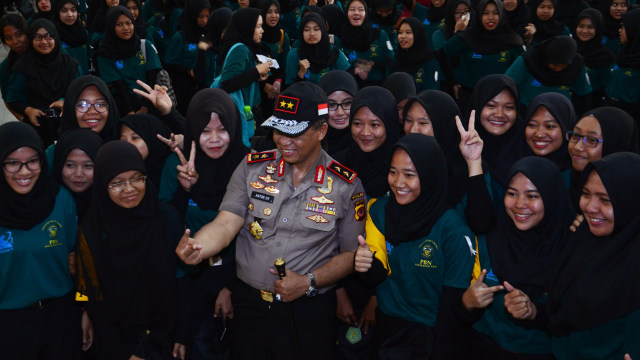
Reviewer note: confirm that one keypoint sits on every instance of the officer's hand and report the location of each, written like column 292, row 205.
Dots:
column 368, row 317
column 479, row 295
column 189, row 250
column 223, row 306
column 187, row 174
column 518, row 304
column 344, row 310
column 364, row 256
column 292, row 286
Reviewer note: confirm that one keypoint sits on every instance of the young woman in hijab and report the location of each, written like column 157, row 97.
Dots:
column 213, row 124
column 402, row 87
column 592, row 303
column 598, row 133
column 485, row 47
column 121, row 61
column 98, row 22
column 598, row 59
column 386, row 15
column 456, row 18
column 44, row 11
column 553, row 65
column 73, row 165
column 142, row 130
column 340, row 87
column 336, row 20
column 13, row 33
column 40, row 79
column 279, row 44
column 374, row 129
column 316, row 56
column 415, row 57
column 368, row 49
column 435, row 17
column 38, row 226
column 518, row 252
column 544, row 18
column 624, row 89
column 519, row 19
column 412, row 8
column 74, row 37
column 126, row 266
column 181, row 60
column 206, row 68
column 612, row 11
column 420, row 258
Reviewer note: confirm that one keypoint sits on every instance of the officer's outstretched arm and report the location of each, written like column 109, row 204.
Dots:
column 211, row 239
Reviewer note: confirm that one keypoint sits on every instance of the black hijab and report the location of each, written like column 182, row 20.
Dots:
column 19, row 23
column 99, row 20
column 48, row 76
column 483, row 41
column 129, row 246
column 271, row 34
column 139, row 25
column 113, row 47
column 70, row 121
column 595, row 54
column 73, row 35
column 373, row 167
column 360, row 37
column 525, row 258
column 629, row 55
column 89, row 142
column 519, row 18
column 188, row 23
column 411, row 59
column 413, row 221
column 597, row 279
column 335, row 18
column 338, row 80
column 611, row 25
column 449, row 25
column 567, row 10
column 214, row 174
column 240, row 30
column 545, row 28
column 436, row 14
column 389, row 20
column 321, row 55
column 486, row 89
column 218, row 21
column 148, row 127
column 557, row 50
column 39, row 14
column 24, row 211
column 401, row 85
column 442, row 111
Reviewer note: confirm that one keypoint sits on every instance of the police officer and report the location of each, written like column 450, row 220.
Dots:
column 294, row 203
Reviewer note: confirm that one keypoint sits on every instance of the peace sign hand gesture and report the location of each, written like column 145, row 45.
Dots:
column 157, row 96
column 187, row 174
column 471, row 145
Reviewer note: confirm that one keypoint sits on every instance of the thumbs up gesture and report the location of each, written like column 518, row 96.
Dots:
column 479, row 295
column 518, row 304
column 364, row 256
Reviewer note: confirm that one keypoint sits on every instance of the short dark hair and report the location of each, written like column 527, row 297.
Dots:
column 318, row 124
column 15, row 20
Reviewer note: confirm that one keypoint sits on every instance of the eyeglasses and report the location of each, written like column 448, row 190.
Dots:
column 345, row 105
column 39, row 37
column 135, row 182
column 460, row 13
column 589, row 141
column 15, row 166
column 83, row 106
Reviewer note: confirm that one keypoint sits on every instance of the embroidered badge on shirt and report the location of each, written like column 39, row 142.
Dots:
column 272, row 189
column 268, row 179
column 357, row 196
column 342, row 171
column 319, row 178
column 261, row 156
column 322, row 199
column 320, row 208
column 326, row 190
column 271, row 168
column 281, row 167
column 256, row 230
column 287, row 104
column 318, row 219
column 257, row 185
column 360, row 212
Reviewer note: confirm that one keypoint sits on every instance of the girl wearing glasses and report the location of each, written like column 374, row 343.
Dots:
column 41, row 78
column 340, row 87
column 126, row 266
column 37, row 237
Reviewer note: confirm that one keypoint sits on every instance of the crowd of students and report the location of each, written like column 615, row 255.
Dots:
column 496, row 141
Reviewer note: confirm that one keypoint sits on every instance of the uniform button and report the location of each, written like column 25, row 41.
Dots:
column 285, row 220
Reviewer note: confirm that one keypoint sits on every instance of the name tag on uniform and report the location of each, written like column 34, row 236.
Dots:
column 263, row 197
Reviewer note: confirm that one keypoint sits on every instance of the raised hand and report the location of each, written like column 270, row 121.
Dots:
column 189, row 250
column 471, row 145
column 157, row 96
column 303, row 66
column 518, row 304
column 187, row 174
column 174, row 141
column 479, row 295
column 364, row 256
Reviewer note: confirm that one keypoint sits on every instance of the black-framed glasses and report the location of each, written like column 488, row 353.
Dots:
column 83, row 106
column 47, row 36
column 587, row 140
column 345, row 105
column 14, row 166
column 135, row 182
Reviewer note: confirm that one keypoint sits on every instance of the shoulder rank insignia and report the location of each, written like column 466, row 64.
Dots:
column 318, row 218
column 342, row 171
column 261, row 156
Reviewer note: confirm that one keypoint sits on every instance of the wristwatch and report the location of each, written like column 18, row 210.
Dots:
column 313, row 290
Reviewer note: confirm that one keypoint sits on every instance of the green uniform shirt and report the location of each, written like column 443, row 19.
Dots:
column 34, row 263
column 600, row 78
column 530, row 87
column 438, row 40
column 430, row 27
column 624, row 85
column 182, row 53
column 475, row 66
column 380, row 51
column 613, row 43
column 293, row 65
column 129, row 69
column 81, row 54
column 4, row 78
column 420, row 268
column 238, row 61
column 428, row 76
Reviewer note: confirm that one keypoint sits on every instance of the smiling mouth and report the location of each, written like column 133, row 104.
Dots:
column 541, row 144
column 497, row 123
column 522, row 217
column 24, row 182
column 596, row 221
